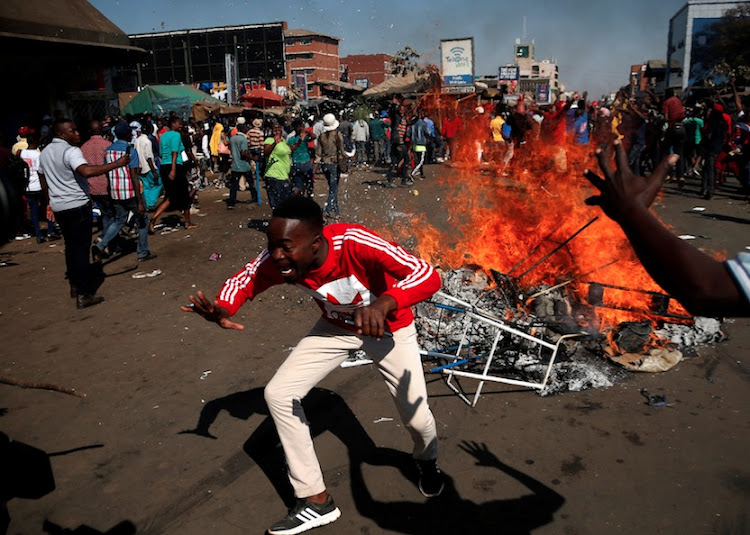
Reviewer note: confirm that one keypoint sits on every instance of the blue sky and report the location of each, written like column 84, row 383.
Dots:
column 594, row 41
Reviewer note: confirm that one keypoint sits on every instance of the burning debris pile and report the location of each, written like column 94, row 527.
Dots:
column 448, row 335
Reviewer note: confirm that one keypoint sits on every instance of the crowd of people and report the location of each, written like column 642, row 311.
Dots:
column 171, row 159
column 710, row 135
column 130, row 171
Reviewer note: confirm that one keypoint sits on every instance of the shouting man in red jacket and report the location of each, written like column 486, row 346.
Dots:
column 365, row 286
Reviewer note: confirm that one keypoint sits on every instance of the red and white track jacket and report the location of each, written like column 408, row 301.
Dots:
column 360, row 267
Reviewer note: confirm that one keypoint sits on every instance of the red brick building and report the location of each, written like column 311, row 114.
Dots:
column 312, row 53
column 366, row 70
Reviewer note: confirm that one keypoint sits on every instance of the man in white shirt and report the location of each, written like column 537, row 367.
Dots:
column 63, row 171
column 34, row 195
column 148, row 174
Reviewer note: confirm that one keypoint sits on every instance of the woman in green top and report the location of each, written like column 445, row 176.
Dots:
column 278, row 167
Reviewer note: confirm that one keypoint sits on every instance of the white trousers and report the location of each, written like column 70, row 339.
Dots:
column 320, row 352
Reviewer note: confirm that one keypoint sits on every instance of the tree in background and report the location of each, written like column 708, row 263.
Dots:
column 405, row 61
column 729, row 46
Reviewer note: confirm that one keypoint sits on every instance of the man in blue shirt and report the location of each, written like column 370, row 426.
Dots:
column 302, row 170
column 240, row 165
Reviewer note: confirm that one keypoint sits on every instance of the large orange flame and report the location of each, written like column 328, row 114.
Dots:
column 508, row 223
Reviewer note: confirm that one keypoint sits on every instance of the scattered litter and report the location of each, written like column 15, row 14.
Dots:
column 258, row 224
column 686, row 237
column 381, row 420
column 53, row 245
column 358, row 358
column 704, row 236
column 202, row 214
column 654, row 400
column 146, row 274
column 657, row 360
column 415, row 192
column 699, row 209
column 214, row 257
column 205, row 374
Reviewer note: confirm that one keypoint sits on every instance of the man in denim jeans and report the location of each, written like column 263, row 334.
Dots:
column 125, row 191
column 328, row 153
column 240, row 166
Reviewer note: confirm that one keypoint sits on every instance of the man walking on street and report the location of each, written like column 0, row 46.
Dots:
column 93, row 151
column 125, row 191
column 63, row 172
column 240, row 167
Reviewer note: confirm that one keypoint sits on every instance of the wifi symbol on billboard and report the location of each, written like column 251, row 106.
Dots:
column 457, row 52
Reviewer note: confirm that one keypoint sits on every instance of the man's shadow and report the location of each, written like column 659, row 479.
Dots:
column 325, row 411
column 449, row 513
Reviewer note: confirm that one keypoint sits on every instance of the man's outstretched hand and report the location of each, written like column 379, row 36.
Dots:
column 211, row 311
column 622, row 192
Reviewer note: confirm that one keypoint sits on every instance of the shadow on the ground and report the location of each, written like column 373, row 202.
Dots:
column 123, row 528
column 722, row 217
column 448, row 513
column 27, row 474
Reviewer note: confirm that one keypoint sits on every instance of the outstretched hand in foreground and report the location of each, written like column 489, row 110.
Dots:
column 703, row 285
column 622, row 193
column 211, row 311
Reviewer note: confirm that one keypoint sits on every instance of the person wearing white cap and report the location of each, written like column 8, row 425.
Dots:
column 135, row 129
column 330, row 154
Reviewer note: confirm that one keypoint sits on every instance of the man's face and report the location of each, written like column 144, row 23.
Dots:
column 294, row 247
column 70, row 133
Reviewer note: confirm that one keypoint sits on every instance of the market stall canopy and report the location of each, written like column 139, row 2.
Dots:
column 261, row 98
column 411, row 82
column 161, row 99
column 203, row 109
column 276, row 111
column 339, row 84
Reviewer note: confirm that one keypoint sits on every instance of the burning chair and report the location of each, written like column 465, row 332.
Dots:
column 504, row 331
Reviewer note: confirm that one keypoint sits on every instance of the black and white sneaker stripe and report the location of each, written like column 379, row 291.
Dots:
column 304, row 516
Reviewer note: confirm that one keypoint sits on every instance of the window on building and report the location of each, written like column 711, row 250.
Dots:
column 305, row 41
column 535, row 70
